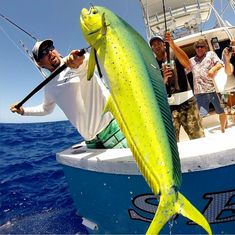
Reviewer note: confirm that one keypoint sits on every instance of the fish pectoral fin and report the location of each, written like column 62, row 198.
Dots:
column 91, row 64
column 104, row 25
column 108, row 105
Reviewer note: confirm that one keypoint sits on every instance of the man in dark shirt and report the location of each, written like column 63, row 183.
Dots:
column 180, row 96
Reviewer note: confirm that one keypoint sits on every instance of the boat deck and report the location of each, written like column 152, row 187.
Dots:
column 211, row 126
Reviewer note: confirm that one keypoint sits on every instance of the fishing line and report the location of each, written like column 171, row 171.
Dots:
column 12, row 41
column 30, row 56
column 27, row 54
column 18, row 27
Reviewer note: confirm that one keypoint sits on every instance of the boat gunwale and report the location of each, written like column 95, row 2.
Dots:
column 120, row 161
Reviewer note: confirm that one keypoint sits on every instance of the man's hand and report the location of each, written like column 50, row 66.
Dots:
column 227, row 55
column 212, row 72
column 15, row 110
column 167, row 73
column 73, row 60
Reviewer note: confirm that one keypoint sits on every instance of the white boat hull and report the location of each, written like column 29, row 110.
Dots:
column 113, row 197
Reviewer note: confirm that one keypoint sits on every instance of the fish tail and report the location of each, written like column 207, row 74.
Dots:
column 182, row 206
column 185, row 208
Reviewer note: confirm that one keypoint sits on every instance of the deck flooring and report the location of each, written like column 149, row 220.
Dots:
column 211, row 126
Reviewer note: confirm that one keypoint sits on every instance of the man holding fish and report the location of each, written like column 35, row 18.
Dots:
column 82, row 101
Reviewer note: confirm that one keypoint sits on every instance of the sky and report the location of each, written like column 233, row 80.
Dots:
column 53, row 19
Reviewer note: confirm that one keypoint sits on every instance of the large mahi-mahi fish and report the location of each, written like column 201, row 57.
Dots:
column 138, row 101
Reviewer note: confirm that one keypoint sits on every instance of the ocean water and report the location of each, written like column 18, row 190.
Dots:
column 34, row 195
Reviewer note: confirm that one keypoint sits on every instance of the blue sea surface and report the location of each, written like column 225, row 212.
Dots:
column 34, row 195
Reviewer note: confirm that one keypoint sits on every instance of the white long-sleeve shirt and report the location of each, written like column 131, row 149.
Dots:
column 82, row 101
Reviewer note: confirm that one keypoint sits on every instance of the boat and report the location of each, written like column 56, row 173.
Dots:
column 107, row 188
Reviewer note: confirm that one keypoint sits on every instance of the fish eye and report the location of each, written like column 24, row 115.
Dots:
column 94, row 11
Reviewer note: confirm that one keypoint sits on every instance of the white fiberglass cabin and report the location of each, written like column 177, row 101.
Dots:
column 107, row 188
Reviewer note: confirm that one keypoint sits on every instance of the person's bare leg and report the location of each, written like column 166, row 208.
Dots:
column 223, row 122
column 233, row 118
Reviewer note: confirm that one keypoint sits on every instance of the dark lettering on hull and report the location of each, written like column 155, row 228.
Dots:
column 220, row 207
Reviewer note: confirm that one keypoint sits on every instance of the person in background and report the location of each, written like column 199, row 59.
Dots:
column 82, row 101
column 229, row 59
column 204, row 66
column 182, row 102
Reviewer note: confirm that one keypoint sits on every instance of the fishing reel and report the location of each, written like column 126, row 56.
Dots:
column 169, row 65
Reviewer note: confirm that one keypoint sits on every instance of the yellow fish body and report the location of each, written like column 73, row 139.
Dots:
column 139, row 103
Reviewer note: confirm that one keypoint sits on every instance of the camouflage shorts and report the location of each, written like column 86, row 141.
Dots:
column 187, row 115
column 110, row 137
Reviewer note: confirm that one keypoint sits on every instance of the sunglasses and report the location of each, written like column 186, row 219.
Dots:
column 45, row 51
column 200, row 47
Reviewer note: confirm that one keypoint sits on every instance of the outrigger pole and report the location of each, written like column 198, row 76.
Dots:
column 22, row 44
column 11, row 22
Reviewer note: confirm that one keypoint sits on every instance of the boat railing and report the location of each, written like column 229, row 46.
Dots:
column 221, row 22
column 185, row 19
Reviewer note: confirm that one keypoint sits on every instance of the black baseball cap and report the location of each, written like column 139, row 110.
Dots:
column 39, row 45
column 159, row 38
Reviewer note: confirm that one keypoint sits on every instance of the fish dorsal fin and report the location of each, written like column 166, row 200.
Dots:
column 104, row 25
column 91, row 64
column 161, row 97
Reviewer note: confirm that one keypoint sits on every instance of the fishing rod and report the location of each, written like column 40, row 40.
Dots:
column 48, row 79
column 167, row 46
column 166, row 43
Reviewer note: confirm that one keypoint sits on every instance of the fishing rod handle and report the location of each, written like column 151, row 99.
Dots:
column 167, row 45
column 42, row 84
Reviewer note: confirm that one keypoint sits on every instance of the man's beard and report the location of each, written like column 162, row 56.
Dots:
column 55, row 65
